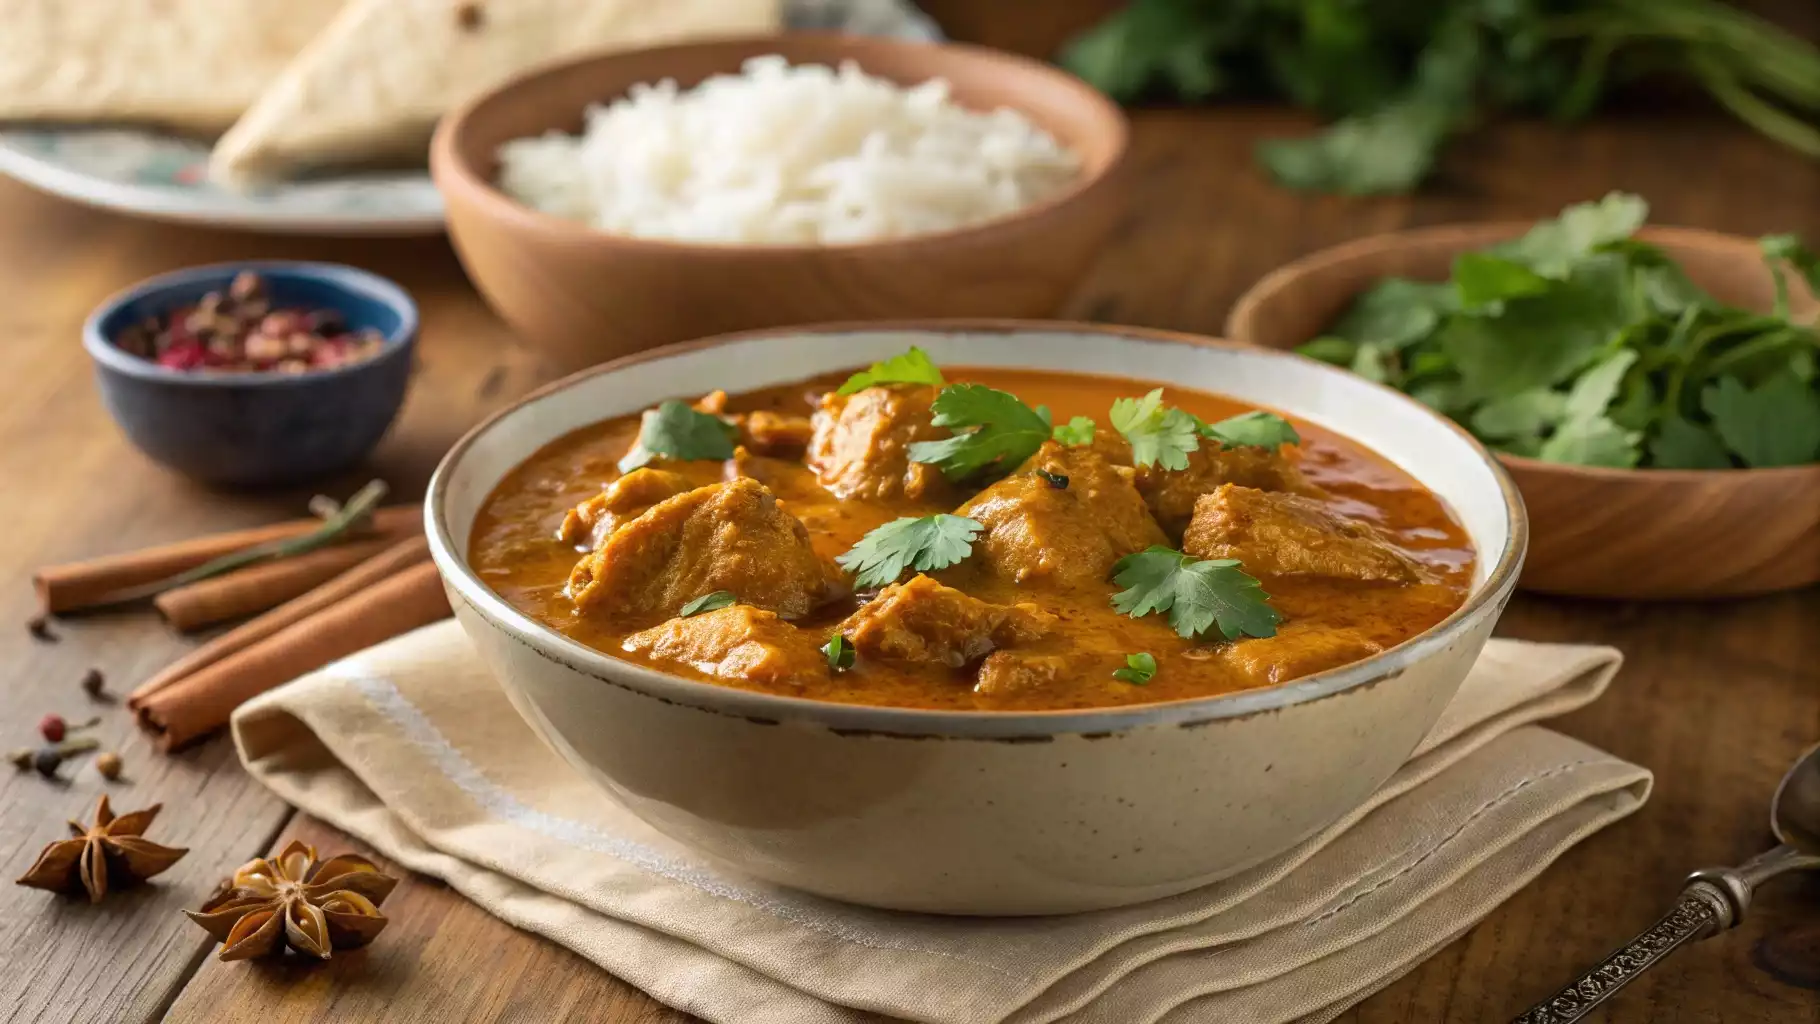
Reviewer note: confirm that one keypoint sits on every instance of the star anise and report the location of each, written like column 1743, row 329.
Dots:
column 292, row 900
column 111, row 852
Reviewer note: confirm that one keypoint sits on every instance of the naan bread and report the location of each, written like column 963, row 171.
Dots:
column 194, row 65
column 370, row 88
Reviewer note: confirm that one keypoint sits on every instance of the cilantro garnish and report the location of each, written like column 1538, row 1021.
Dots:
column 912, row 367
column 840, row 653
column 1160, row 435
column 1577, row 343
column 675, row 430
column 923, row 544
column 1255, row 429
column 710, row 602
column 1197, row 594
column 1004, row 431
column 1139, row 669
column 1077, row 431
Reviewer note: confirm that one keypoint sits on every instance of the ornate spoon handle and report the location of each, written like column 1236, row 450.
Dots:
column 1703, row 910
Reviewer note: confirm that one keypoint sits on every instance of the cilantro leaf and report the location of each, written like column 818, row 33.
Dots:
column 1330, row 348
column 1006, row 431
column 1554, row 247
column 1395, row 313
column 709, row 602
column 1160, row 435
column 1254, row 429
column 1483, row 280
column 1596, row 441
column 1594, row 390
column 1526, row 414
column 923, row 544
column 1679, row 444
column 676, row 430
column 1389, row 150
column 912, row 367
column 1139, row 669
column 840, row 653
column 1196, row 594
column 1541, row 340
column 1077, row 431
column 1776, row 423
column 1780, row 248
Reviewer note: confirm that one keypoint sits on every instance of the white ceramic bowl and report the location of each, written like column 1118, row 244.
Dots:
column 975, row 812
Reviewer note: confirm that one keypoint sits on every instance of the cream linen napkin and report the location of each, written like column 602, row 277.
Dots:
column 412, row 747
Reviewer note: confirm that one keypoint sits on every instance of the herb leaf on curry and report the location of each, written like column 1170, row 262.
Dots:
column 677, row 430
column 1000, row 431
column 1077, row 431
column 922, row 543
column 1160, row 435
column 840, row 653
column 710, row 602
column 1255, row 429
column 1139, row 669
column 1196, row 594
column 912, row 367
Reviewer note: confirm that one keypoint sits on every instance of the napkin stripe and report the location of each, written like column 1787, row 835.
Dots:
column 454, row 766
column 1488, row 806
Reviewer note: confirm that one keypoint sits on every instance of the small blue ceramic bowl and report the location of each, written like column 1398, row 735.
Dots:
column 257, row 428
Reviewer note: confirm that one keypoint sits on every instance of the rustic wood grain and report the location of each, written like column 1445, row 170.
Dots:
column 1717, row 698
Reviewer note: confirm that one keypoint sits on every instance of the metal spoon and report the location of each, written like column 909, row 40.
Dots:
column 1714, row 900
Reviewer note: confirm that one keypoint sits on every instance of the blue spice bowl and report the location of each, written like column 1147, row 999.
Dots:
column 257, row 428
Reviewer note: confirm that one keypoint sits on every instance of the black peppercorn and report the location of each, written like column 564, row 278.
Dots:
column 47, row 760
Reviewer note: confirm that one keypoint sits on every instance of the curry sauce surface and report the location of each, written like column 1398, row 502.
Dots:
column 515, row 550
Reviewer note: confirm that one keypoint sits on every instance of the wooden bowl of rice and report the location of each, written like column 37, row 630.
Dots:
column 581, row 294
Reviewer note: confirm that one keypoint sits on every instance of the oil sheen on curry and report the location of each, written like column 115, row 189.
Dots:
column 972, row 539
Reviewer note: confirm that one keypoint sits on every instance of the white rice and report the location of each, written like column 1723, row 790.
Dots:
column 782, row 154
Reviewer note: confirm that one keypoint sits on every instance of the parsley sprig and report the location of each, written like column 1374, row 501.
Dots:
column 922, row 543
column 1162, row 435
column 1076, row 432
column 912, row 367
column 840, row 653
column 1579, row 344
column 1196, row 594
column 1139, row 669
column 993, row 430
column 677, row 430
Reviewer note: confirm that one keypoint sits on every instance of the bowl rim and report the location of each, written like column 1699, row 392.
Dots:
column 341, row 276
column 451, row 171
column 1472, row 233
column 465, row 584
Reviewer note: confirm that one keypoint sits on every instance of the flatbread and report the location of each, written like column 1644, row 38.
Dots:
column 193, row 65
column 370, row 88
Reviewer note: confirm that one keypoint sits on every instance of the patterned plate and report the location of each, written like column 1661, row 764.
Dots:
column 163, row 177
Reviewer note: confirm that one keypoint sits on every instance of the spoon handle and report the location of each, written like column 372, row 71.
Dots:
column 1702, row 911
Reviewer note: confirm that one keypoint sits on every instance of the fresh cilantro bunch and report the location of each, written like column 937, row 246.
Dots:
column 1579, row 344
column 1399, row 77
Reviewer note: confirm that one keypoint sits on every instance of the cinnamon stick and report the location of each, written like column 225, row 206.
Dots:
column 390, row 562
column 201, row 703
column 75, row 585
column 259, row 587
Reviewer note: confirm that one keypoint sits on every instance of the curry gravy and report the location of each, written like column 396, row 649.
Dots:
column 515, row 550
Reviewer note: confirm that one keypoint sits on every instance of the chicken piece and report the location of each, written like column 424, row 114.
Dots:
column 1172, row 493
column 861, row 443
column 773, row 433
column 623, row 500
column 1295, row 652
column 1010, row 672
column 922, row 620
column 730, row 536
column 1276, row 534
column 737, row 642
column 1068, row 527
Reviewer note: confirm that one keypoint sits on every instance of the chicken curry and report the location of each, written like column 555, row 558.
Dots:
column 972, row 539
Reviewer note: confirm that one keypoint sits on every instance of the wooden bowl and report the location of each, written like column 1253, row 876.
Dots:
column 1639, row 534
column 581, row 295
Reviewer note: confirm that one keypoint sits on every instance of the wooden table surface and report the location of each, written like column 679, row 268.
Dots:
column 1716, row 699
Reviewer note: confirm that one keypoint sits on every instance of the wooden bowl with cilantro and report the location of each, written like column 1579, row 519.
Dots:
column 1653, row 390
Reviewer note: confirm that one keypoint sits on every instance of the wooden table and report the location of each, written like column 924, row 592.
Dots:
column 1716, row 699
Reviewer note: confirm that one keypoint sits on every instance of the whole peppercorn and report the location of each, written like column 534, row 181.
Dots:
column 53, row 727
column 95, row 684
column 108, row 764
column 47, row 760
